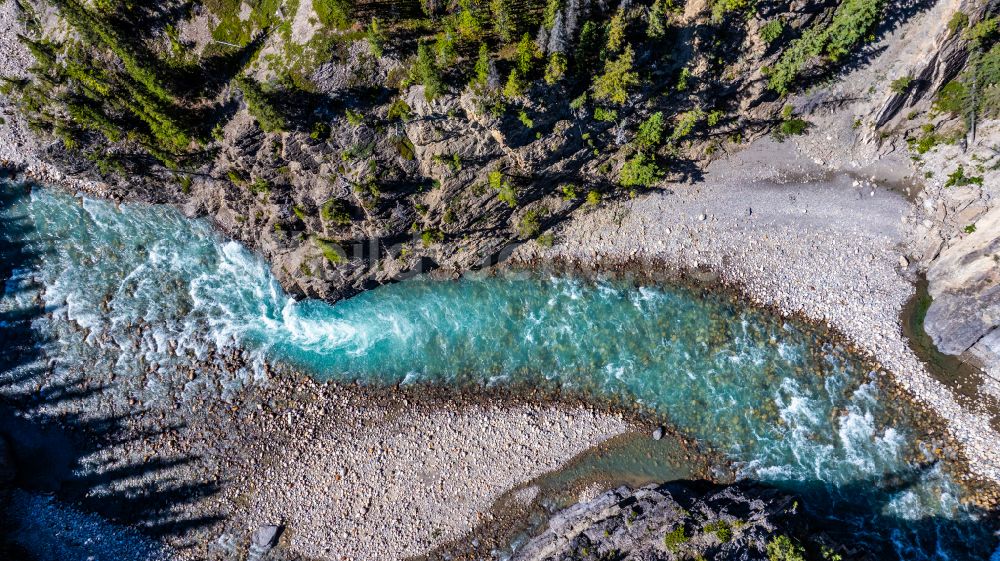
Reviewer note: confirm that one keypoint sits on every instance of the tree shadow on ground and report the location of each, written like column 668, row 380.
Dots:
column 59, row 444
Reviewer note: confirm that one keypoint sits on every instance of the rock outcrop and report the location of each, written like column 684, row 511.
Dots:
column 965, row 283
column 673, row 521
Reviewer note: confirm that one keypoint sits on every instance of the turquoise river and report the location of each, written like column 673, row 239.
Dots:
column 139, row 286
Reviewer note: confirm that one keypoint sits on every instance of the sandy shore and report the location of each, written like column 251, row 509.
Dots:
column 790, row 234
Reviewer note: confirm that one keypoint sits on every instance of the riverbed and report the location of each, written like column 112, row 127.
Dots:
column 137, row 308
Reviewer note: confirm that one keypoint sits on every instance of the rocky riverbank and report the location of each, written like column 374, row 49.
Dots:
column 791, row 234
column 674, row 521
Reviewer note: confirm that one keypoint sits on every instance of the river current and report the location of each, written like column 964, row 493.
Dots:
column 146, row 292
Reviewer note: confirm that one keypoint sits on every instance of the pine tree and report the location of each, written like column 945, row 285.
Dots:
column 427, row 72
column 556, row 68
column 616, row 32
column 650, row 132
column 483, row 65
column 657, row 20
column 619, row 76
column 504, row 20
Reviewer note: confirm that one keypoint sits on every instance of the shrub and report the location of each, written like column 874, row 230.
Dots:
column 354, row 118
column 593, row 198
column 605, row 115
column 792, row 127
column 901, row 85
column 722, row 7
column 782, row 548
column 970, row 229
column 958, row 178
column 569, row 192
column 849, row 26
column 508, row 194
column 721, row 530
column 431, row 237
column 320, row 131
column 376, row 37
column 546, row 239
column 504, row 19
column 686, row 123
column 958, row 22
column 682, row 80
column 405, row 148
column 526, row 120
column 675, row 539
column 399, row 110
column 330, row 250
column 616, row 31
column 657, row 18
column 531, row 223
column 770, row 31
column 640, row 171
column 335, row 211
column 484, row 65
column 556, row 68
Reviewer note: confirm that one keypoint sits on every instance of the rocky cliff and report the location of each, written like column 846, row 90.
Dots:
column 356, row 143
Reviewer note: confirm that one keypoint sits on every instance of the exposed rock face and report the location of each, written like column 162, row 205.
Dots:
column 965, row 284
column 672, row 521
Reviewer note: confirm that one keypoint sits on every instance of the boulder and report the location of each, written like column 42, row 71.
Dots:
column 964, row 282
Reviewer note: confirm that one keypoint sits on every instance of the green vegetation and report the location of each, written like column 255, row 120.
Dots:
column 531, row 223
column 850, row 25
column 772, row 30
column 484, row 64
column 336, row 212
column 335, row 13
column 569, row 192
column 675, row 539
column 399, row 110
column 722, row 7
column 901, row 85
column 790, row 124
column 958, row 178
column 431, row 237
column 782, row 548
column 640, row 171
column 975, row 94
column 970, row 229
column 261, row 105
column 524, row 62
column 721, row 529
column 593, row 198
column 650, row 132
column 376, row 37
column 526, row 120
column 605, row 115
column 426, row 72
column 329, row 249
column 506, row 191
column 958, row 22
column 618, row 78
column 929, row 138
column 685, row 124
column 354, row 118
